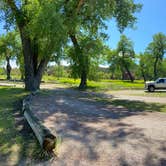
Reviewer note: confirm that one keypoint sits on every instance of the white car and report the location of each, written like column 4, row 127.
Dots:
column 160, row 83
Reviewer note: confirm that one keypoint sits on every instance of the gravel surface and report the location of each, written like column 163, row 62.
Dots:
column 139, row 95
column 100, row 134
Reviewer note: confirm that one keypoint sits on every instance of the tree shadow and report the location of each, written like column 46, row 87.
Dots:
column 17, row 141
column 156, row 91
column 90, row 123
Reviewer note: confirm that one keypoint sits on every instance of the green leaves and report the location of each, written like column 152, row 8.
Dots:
column 8, row 44
column 124, row 13
column 156, row 49
column 125, row 47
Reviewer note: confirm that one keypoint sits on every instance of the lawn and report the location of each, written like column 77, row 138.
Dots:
column 92, row 85
column 99, row 85
column 14, row 145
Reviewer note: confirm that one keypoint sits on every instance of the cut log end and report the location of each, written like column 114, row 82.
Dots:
column 49, row 143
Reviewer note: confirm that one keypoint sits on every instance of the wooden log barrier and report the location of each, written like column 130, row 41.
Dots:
column 46, row 139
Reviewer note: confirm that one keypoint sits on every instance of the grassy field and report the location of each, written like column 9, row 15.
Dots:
column 14, row 77
column 100, row 85
column 14, row 145
column 92, row 85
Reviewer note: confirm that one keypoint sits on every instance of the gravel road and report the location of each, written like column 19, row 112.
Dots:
column 101, row 134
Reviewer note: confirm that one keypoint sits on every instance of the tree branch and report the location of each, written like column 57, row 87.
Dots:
column 80, row 3
column 17, row 13
column 41, row 67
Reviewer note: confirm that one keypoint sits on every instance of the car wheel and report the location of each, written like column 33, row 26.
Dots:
column 151, row 89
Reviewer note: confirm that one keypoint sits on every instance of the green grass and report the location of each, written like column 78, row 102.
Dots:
column 104, row 84
column 13, row 145
column 47, row 78
column 13, row 76
column 92, row 85
column 133, row 106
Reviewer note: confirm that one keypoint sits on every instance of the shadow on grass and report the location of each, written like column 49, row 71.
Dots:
column 138, row 106
column 156, row 91
column 18, row 145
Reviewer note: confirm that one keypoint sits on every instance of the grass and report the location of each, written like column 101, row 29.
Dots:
column 104, row 84
column 13, row 145
column 13, row 76
column 92, row 85
column 133, row 106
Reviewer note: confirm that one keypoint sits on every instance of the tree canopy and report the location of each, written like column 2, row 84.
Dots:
column 45, row 27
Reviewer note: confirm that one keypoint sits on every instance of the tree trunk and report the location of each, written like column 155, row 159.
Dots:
column 83, row 83
column 8, row 68
column 33, row 69
column 122, row 73
column 22, row 76
column 129, row 73
column 127, row 69
column 82, row 62
column 143, row 75
column 155, row 68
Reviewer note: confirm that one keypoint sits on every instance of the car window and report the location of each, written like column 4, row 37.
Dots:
column 161, row 81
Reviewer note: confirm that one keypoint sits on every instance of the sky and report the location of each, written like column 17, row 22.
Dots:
column 151, row 20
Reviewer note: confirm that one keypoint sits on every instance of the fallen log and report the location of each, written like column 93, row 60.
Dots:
column 46, row 139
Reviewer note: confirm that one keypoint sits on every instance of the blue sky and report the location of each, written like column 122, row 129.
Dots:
column 151, row 20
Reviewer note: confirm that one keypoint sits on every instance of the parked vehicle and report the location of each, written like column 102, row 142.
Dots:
column 160, row 83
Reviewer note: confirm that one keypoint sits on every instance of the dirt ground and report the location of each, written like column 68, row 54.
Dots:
column 139, row 95
column 101, row 134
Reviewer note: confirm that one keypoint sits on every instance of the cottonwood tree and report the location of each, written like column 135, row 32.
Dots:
column 125, row 51
column 41, row 28
column 92, row 49
column 90, row 18
column 7, row 50
column 45, row 25
column 114, row 62
column 157, row 49
column 146, row 66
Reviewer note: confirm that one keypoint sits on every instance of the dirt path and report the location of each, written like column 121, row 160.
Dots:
column 101, row 134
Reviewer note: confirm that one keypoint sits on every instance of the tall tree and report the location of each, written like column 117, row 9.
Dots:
column 41, row 29
column 90, row 19
column 125, row 51
column 92, row 49
column 45, row 25
column 146, row 66
column 157, row 49
column 114, row 64
column 7, row 50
